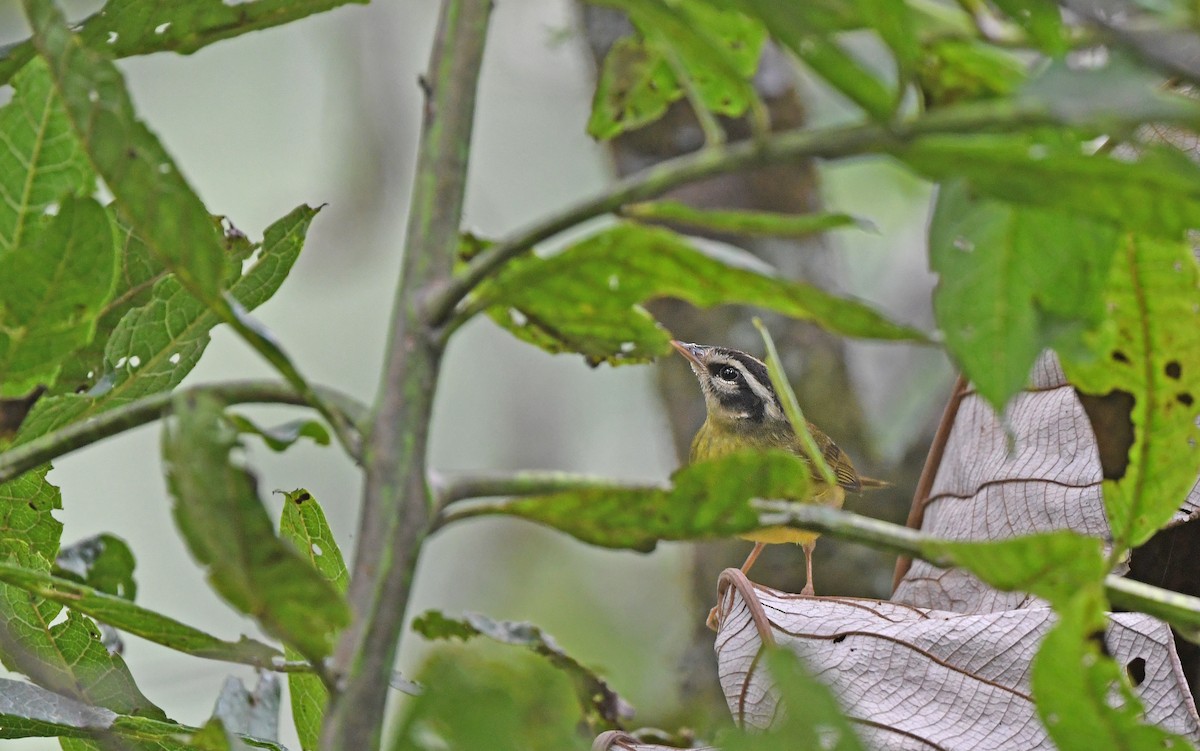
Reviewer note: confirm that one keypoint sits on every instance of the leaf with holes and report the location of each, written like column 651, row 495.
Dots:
column 42, row 161
column 218, row 512
column 157, row 344
column 1151, row 352
column 303, row 524
column 635, row 87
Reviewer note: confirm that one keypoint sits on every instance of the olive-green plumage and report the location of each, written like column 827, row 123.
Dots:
column 744, row 413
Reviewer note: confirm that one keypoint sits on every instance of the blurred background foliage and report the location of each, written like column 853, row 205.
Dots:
column 327, row 111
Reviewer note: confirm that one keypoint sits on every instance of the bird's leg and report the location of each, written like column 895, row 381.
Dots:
column 758, row 548
column 808, row 548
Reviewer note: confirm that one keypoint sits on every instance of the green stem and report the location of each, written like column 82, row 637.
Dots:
column 396, row 511
column 779, row 148
column 1180, row 610
column 26, row 456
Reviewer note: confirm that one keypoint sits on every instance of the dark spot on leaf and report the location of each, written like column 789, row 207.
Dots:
column 1119, row 356
column 1173, row 370
column 839, row 638
column 1110, row 416
column 302, row 498
column 1136, row 670
column 1185, row 399
column 131, row 153
column 33, row 506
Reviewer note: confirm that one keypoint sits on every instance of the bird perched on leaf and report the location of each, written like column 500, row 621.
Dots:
column 745, row 414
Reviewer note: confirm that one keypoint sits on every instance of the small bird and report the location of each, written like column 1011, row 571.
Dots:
column 744, row 413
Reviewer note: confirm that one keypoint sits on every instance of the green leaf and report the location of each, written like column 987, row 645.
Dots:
column 956, row 70
column 41, row 161
column 27, row 522
column 716, row 50
column 219, row 513
column 603, row 708
column 1150, row 351
column 1051, row 565
column 475, row 702
column 51, row 293
column 1157, row 193
column 1041, row 20
column 1083, row 697
column 634, row 88
column 708, row 499
column 303, row 524
column 138, row 273
column 896, row 26
column 588, row 299
column 140, row 27
column 103, row 562
column 808, row 31
column 1014, row 280
column 120, row 613
column 157, row 344
column 811, row 716
column 768, row 223
column 282, row 437
column 149, row 188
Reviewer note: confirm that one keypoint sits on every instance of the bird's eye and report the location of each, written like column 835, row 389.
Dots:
column 729, row 373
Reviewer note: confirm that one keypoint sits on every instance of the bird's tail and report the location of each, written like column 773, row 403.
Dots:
column 870, row 483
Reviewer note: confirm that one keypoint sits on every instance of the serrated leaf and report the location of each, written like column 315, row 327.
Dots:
column 103, row 562
column 1013, row 281
column 634, row 88
column 41, row 161
column 768, row 223
column 588, row 299
column 157, row 344
column 219, row 513
column 1083, row 697
column 1158, row 193
column 706, row 500
column 303, row 524
column 811, row 717
column 602, row 707
column 1151, row 352
column 149, row 189
column 26, row 519
column 140, row 27
column 51, row 293
column 122, row 614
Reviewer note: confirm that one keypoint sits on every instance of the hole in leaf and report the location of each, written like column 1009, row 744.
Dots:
column 1119, row 356
column 1136, row 670
column 1112, row 423
column 1185, row 399
column 1173, row 370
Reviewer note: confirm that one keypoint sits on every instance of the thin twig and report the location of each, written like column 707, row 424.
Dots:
column 26, row 456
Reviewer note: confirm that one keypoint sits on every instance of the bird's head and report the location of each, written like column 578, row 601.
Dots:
column 737, row 390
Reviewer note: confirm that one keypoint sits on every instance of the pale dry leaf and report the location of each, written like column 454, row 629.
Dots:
column 619, row 740
column 1050, row 481
column 913, row 678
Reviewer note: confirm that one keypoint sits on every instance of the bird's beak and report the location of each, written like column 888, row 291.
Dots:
column 691, row 351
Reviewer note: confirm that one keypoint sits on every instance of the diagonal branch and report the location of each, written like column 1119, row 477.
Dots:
column 77, row 435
